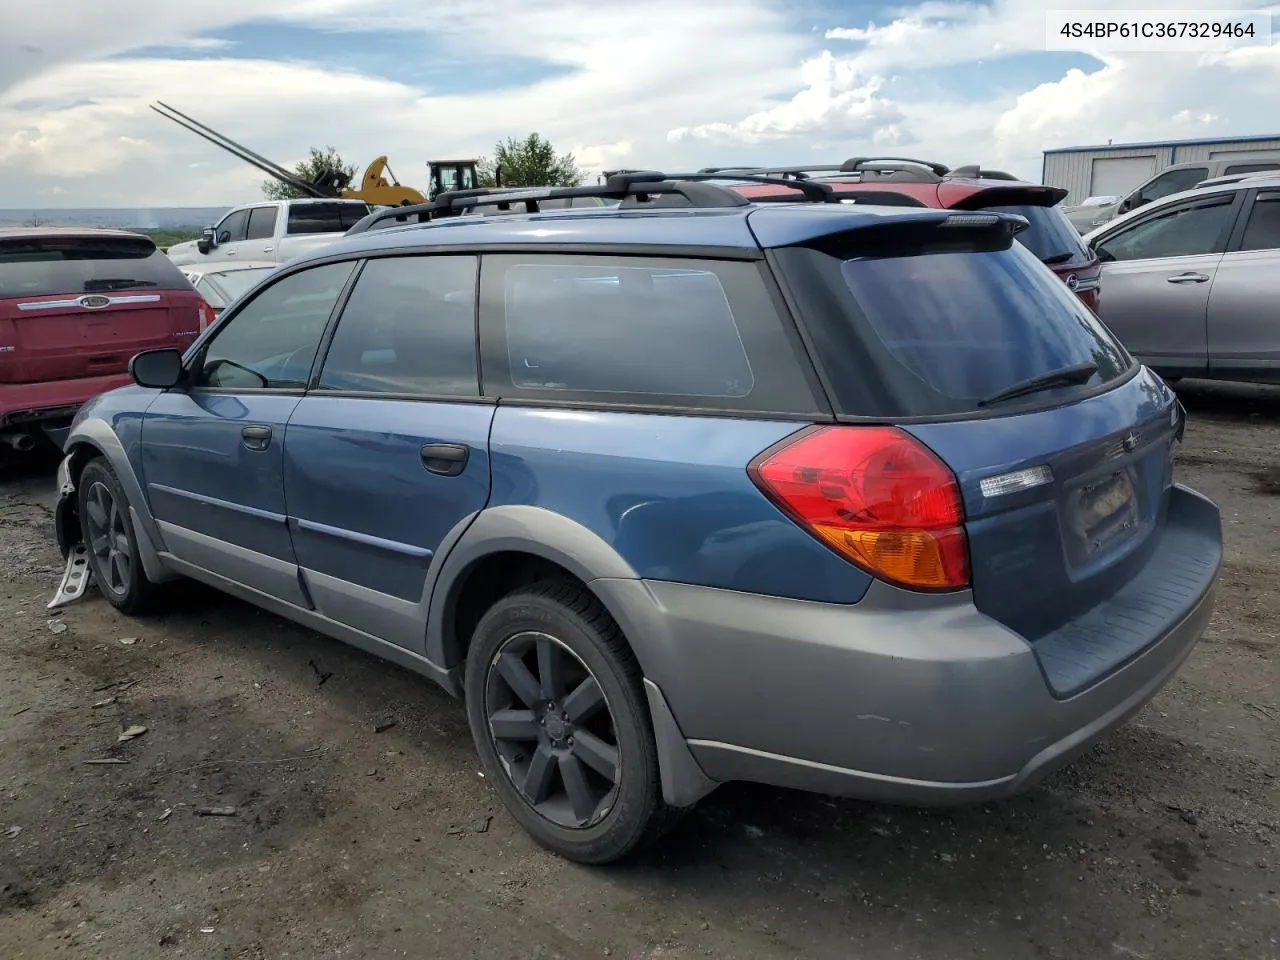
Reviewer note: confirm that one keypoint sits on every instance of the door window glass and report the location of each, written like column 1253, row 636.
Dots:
column 234, row 227
column 1173, row 182
column 271, row 343
column 1182, row 232
column 262, row 223
column 1263, row 230
column 409, row 327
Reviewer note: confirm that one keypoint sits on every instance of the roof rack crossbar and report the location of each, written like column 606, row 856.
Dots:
column 856, row 164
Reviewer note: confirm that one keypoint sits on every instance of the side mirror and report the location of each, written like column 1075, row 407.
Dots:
column 1128, row 203
column 157, row 369
column 208, row 240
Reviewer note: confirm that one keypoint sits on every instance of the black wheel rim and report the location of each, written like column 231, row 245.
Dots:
column 553, row 729
column 108, row 539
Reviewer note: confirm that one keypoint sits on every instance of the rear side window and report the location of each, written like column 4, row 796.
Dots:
column 1263, row 229
column 409, row 328
column 581, row 328
column 930, row 334
column 40, row 267
column 638, row 331
column 324, row 217
column 1049, row 235
column 262, row 223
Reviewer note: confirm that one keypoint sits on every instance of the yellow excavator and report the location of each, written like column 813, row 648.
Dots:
column 375, row 187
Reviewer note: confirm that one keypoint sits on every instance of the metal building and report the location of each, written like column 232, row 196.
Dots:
column 1115, row 169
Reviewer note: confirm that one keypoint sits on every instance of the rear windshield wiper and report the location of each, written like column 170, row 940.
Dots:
column 1065, row 377
column 1057, row 258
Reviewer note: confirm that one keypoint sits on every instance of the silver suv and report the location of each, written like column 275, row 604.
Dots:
column 1192, row 280
column 1172, row 179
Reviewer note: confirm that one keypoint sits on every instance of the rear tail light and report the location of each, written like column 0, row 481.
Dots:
column 207, row 315
column 876, row 496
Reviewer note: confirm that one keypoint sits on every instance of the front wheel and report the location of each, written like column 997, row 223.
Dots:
column 557, row 710
column 112, row 545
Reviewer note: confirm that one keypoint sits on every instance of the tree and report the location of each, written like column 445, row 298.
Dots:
column 320, row 161
column 531, row 162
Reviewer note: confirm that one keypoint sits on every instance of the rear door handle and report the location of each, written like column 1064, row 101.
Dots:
column 256, row 438
column 1188, row 278
column 445, row 459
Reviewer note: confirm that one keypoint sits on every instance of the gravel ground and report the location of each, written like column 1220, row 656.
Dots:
column 354, row 839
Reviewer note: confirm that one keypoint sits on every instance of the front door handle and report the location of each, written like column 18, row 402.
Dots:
column 1188, row 278
column 256, row 438
column 445, row 459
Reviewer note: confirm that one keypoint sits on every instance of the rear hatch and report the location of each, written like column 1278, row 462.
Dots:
column 1060, row 445
column 82, row 305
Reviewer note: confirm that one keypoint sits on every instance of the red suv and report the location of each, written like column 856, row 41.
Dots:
column 75, row 305
column 922, row 183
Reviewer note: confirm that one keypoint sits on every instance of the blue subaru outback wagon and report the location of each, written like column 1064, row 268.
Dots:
column 679, row 491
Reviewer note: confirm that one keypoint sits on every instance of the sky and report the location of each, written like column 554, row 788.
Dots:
column 666, row 84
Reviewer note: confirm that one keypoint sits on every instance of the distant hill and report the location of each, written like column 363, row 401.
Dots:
column 122, row 218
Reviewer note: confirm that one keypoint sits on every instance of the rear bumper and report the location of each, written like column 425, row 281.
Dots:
column 899, row 698
column 51, row 400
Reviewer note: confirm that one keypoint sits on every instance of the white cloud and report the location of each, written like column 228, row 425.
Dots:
column 1126, row 97
column 667, row 83
column 836, row 102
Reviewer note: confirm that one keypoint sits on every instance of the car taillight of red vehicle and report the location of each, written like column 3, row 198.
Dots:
column 207, row 315
column 875, row 495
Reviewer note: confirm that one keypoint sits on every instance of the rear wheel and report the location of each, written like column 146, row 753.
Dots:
column 557, row 710
column 112, row 545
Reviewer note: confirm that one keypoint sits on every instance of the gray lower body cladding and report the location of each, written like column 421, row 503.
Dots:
column 902, row 698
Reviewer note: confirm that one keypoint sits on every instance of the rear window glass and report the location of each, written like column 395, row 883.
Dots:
column 44, row 266
column 324, row 217
column 1050, row 235
column 623, row 330
column 933, row 334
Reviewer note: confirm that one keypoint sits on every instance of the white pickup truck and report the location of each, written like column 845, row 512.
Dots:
column 273, row 231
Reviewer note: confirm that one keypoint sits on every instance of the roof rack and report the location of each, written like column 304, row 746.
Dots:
column 643, row 186
column 899, row 168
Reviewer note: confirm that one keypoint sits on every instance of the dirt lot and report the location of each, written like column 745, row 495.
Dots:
column 351, row 840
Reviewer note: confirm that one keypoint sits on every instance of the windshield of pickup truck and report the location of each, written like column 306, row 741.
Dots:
column 45, row 266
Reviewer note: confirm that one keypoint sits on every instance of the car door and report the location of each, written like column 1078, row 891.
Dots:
column 1157, row 272
column 212, row 450
column 1244, row 304
column 389, row 450
column 230, row 233
column 260, row 236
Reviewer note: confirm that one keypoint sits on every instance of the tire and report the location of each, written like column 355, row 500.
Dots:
column 114, row 558
column 561, row 622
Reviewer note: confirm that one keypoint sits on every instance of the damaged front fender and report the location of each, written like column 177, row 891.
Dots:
column 66, row 520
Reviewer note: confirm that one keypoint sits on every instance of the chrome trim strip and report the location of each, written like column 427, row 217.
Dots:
column 65, row 304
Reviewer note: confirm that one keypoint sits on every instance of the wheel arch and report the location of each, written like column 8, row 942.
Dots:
column 500, row 548
column 506, row 547
column 92, row 438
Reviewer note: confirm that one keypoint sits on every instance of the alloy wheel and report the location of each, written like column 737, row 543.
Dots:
column 108, row 539
column 553, row 729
